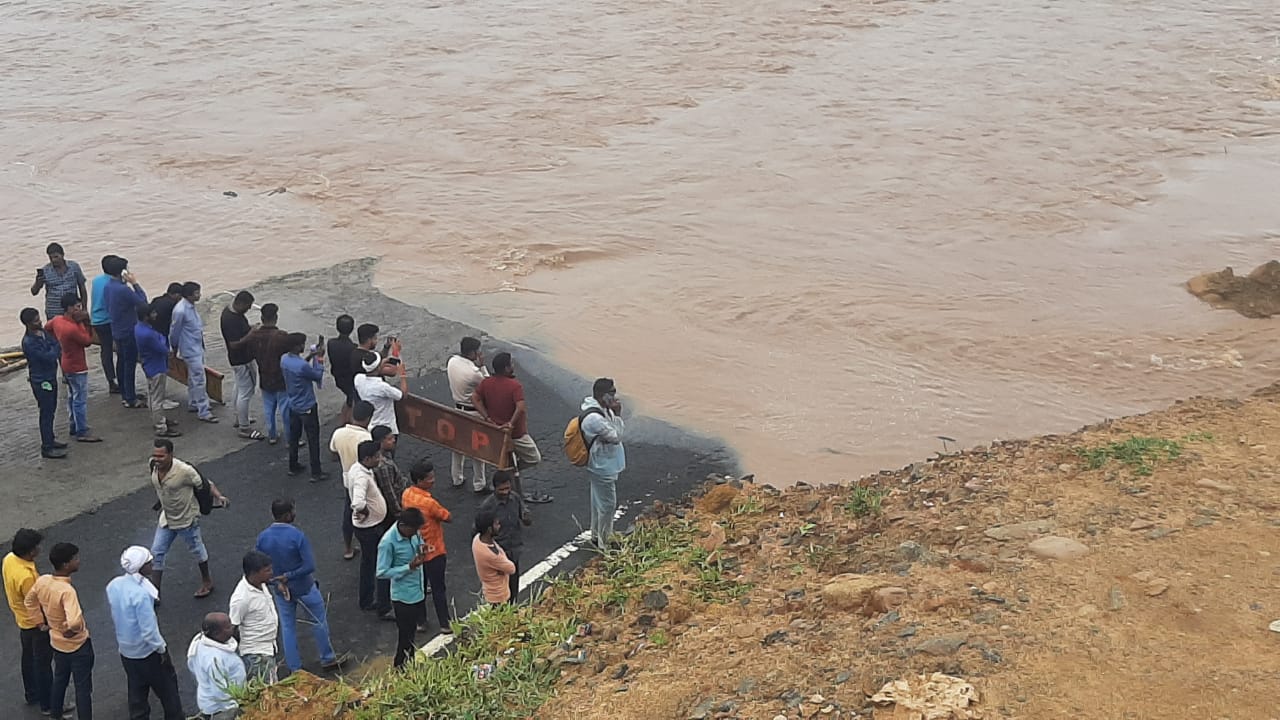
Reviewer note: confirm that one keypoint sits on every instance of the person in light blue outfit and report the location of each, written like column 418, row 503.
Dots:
column 401, row 556
column 217, row 667
column 143, row 651
column 601, row 423
column 100, row 317
column 186, row 337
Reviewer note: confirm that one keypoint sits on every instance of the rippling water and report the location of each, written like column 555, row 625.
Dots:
column 827, row 231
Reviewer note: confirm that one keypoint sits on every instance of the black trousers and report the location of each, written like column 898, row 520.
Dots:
column 152, row 674
column 37, row 666
column 310, row 422
column 408, row 615
column 514, row 581
column 434, row 573
column 78, row 665
column 375, row 594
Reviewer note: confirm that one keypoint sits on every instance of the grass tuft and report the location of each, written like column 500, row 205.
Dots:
column 1141, row 454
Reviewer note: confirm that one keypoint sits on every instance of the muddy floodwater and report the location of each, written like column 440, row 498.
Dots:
column 826, row 231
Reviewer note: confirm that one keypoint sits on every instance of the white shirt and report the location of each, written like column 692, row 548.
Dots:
column 383, row 396
column 365, row 495
column 346, row 442
column 254, row 612
column 464, row 376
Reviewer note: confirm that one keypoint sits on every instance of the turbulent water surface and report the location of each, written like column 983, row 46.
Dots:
column 828, row 231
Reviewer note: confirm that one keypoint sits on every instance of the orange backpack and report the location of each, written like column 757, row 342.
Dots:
column 576, row 445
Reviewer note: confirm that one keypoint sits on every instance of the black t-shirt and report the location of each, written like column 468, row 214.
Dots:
column 164, row 313
column 234, row 327
column 340, row 351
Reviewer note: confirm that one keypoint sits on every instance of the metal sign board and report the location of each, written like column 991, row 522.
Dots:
column 454, row 429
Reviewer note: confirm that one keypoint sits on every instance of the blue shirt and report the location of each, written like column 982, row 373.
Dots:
column 300, row 379
column 186, row 330
column 134, row 614
column 395, row 551
column 42, row 351
column 122, row 305
column 153, row 349
column 98, row 296
column 290, row 553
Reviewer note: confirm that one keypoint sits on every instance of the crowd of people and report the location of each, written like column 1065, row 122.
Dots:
column 390, row 521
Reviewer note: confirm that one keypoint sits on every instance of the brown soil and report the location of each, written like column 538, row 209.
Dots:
column 1165, row 617
column 1256, row 295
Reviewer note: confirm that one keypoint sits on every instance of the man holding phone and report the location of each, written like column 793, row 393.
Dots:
column 301, row 377
column 59, row 278
column 372, row 388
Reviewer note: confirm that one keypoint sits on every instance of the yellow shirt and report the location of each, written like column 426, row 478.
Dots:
column 19, row 576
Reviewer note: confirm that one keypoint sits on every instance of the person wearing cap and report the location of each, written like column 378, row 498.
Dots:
column 466, row 370
column 372, row 388
column 301, row 377
column 602, row 429
column 148, row 668
column 58, row 278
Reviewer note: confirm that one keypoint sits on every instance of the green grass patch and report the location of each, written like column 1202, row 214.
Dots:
column 864, row 501
column 748, row 505
column 1141, row 454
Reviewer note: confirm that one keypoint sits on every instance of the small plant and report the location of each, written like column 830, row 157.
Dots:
column 864, row 501
column 807, row 529
column 658, row 638
column 1139, row 453
column 1199, row 437
column 748, row 506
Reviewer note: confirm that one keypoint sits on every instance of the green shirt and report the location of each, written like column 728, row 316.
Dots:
column 395, row 552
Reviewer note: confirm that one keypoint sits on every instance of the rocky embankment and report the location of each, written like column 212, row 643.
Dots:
column 1126, row 570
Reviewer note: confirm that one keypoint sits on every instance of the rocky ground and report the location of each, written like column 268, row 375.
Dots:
column 1128, row 570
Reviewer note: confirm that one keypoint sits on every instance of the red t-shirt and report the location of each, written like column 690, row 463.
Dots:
column 74, row 337
column 500, row 395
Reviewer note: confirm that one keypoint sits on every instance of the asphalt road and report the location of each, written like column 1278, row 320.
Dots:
column 255, row 475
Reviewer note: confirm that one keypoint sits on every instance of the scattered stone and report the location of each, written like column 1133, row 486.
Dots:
column 678, row 614
column 1141, row 525
column 1157, row 587
column 1214, row 485
column 816, row 699
column 942, row 645
column 886, row 599
column 1021, row 531
column 902, row 569
column 888, row 619
column 620, row 672
column 813, row 505
column 718, row 499
column 655, row 600
column 908, row 631
column 746, row 686
column 744, row 630
column 986, row 617
column 975, row 561
column 1116, row 597
column 843, row 677
column 1054, row 547
column 702, row 710
column 714, row 539
column 848, row 591
column 910, row 551
column 1066, row 468
column 1200, row 522
column 774, row 637
column 230, row 193
column 1161, row 532
column 646, row 620
column 991, row 655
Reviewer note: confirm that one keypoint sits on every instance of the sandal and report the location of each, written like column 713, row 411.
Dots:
column 538, row 498
column 168, row 433
column 203, row 593
column 208, row 419
column 252, row 435
column 88, row 439
column 351, row 555
column 136, row 405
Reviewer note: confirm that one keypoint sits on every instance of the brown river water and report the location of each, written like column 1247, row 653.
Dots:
column 827, row 232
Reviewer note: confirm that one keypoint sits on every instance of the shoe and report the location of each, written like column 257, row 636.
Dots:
column 272, row 441
column 208, row 419
column 137, row 405
column 483, row 491
column 294, row 471
column 53, row 453
column 302, row 442
column 320, row 478
column 113, row 389
column 387, row 616
column 337, row 662
column 88, row 439
column 59, row 445
column 168, row 405
column 168, row 432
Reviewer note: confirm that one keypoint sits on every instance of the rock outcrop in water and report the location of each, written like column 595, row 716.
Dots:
column 1256, row 295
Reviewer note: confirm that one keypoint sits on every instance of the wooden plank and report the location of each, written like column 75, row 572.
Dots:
column 454, row 429
column 212, row 378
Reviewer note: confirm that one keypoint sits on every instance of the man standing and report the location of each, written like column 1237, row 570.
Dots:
column 341, row 352
column 124, row 297
column 344, row 445
column 508, row 507
column 164, row 305
column 418, row 497
column 492, row 566
column 301, row 377
column 371, row 387
column 153, row 351
column 71, row 328
column 53, row 598
column 602, row 430
column 43, row 352
column 186, row 337
column 101, row 319
column 369, row 515
column 387, row 474
column 176, row 483
column 37, row 656
column 401, row 556
column 295, row 584
column 466, row 370
column 212, row 659
column 500, row 400
column 143, row 652
column 254, row 615
column 235, row 326
column 60, row 277
column 267, row 344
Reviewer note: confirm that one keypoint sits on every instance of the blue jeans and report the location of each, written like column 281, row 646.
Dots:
column 46, row 393
column 275, row 404
column 165, row 537
column 78, row 402
column 604, row 503
column 314, row 613
column 126, row 368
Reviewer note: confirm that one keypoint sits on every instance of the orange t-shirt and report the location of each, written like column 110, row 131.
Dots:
column 432, row 531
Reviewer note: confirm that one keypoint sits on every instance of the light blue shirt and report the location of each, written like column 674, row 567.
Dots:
column 604, row 431
column 99, row 314
column 395, row 552
column 134, row 614
column 300, row 381
column 186, row 331
column 217, row 668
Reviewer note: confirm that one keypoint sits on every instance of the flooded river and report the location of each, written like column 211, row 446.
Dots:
column 828, row 232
